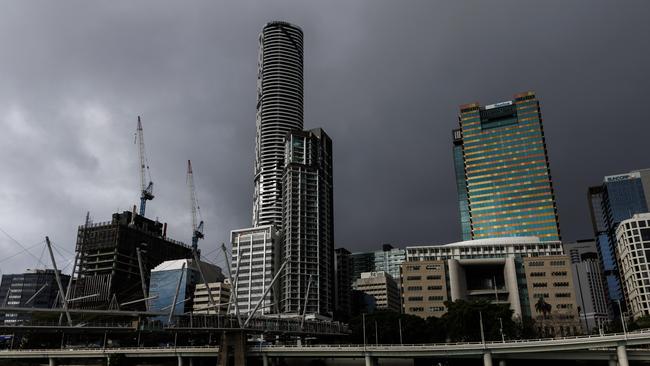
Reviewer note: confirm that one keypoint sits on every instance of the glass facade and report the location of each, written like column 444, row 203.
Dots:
column 617, row 199
column 502, row 171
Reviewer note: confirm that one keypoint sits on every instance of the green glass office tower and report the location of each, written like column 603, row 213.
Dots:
column 502, row 171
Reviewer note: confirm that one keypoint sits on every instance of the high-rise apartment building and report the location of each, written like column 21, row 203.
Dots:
column 617, row 199
column 308, row 225
column 35, row 288
column 502, row 171
column 252, row 266
column 279, row 111
column 633, row 251
column 589, row 282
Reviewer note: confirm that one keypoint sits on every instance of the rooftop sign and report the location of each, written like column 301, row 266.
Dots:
column 620, row 177
column 496, row 105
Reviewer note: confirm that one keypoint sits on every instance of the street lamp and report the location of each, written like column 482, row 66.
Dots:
column 620, row 311
column 363, row 316
column 503, row 338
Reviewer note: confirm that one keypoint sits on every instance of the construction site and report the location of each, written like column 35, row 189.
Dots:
column 133, row 286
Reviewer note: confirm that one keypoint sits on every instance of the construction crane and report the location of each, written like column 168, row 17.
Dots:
column 146, row 190
column 197, row 230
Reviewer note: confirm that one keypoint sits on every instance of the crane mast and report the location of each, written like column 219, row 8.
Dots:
column 197, row 229
column 146, row 190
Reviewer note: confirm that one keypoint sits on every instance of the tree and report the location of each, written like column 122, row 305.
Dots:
column 462, row 321
column 541, row 306
column 414, row 328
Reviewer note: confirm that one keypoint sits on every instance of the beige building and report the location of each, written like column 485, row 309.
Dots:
column 551, row 278
column 516, row 271
column 382, row 287
column 220, row 297
column 424, row 289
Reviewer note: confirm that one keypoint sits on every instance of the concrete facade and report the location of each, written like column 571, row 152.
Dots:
column 633, row 252
column 382, row 287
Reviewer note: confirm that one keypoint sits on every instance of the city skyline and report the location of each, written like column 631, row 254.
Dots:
column 55, row 178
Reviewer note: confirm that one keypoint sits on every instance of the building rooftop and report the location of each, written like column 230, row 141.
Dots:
column 511, row 240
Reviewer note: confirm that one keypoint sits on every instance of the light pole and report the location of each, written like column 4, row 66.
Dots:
column 400, row 331
column 363, row 316
column 503, row 338
column 376, row 334
column 620, row 311
column 480, row 316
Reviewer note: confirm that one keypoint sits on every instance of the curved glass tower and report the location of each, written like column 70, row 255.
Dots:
column 279, row 110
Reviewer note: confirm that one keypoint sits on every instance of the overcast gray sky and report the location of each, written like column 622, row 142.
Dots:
column 383, row 78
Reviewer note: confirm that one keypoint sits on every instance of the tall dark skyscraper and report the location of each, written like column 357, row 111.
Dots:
column 279, row 111
column 502, row 171
column 617, row 199
column 308, row 225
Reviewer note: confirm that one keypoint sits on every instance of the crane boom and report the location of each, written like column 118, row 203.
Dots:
column 146, row 190
column 197, row 229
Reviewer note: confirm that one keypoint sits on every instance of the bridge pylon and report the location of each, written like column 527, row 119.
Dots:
column 233, row 349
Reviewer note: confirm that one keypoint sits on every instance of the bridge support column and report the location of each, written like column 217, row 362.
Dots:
column 180, row 360
column 233, row 349
column 502, row 362
column 612, row 360
column 190, row 361
column 370, row 361
column 265, row 360
column 621, row 352
column 487, row 358
column 51, row 361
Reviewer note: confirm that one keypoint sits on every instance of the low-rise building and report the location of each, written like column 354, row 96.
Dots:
column 518, row 271
column 382, row 287
column 165, row 279
column 220, row 298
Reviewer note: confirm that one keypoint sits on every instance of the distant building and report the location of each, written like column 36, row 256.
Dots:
column 617, row 199
column 382, row 287
column 361, row 303
column 220, row 298
column 34, row 288
column 342, row 283
column 633, row 251
column 589, row 282
column 502, row 171
column 388, row 260
column 308, row 225
column 165, row 278
column 252, row 267
column 108, row 270
column 518, row 271
column 362, row 262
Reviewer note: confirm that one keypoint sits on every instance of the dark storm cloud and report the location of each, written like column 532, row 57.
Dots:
column 384, row 79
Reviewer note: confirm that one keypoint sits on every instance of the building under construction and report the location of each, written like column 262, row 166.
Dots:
column 110, row 269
